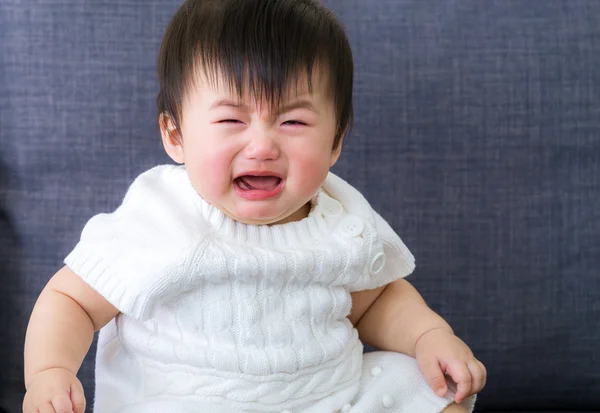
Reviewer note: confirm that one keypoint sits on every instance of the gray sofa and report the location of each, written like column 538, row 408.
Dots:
column 477, row 136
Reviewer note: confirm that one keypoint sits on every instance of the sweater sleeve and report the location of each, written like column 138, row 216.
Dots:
column 132, row 255
column 397, row 260
column 391, row 259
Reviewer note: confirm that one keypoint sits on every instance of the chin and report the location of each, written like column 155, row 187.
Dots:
column 257, row 221
column 255, row 217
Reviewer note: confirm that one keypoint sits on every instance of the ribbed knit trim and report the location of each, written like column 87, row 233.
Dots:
column 285, row 236
column 100, row 273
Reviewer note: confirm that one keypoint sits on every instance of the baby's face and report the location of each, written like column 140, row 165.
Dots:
column 256, row 165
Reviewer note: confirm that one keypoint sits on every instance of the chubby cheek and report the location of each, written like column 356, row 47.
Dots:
column 308, row 170
column 210, row 173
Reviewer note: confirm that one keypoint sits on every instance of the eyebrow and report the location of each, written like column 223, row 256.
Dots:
column 228, row 103
column 299, row 104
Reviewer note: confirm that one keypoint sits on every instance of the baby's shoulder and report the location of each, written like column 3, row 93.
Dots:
column 157, row 183
column 163, row 186
column 160, row 200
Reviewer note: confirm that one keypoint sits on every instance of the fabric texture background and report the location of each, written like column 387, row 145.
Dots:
column 477, row 136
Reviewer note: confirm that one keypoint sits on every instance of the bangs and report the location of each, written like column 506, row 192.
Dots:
column 269, row 53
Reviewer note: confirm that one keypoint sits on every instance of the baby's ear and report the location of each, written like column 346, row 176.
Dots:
column 337, row 151
column 171, row 138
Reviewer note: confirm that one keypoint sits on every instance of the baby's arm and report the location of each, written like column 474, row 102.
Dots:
column 396, row 318
column 393, row 317
column 59, row 335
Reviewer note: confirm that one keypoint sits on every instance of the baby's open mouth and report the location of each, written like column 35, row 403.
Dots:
column 262, row 183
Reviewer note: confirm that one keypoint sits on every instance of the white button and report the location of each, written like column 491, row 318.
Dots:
column 346, row 408
column 352, row 226
column 377, row 264
column 376, row 371
column 331, row 207
column 387, row 401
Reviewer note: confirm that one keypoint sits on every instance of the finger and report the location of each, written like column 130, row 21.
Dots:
column 77, row 398
column 477, row 376
column 46, row 408
column 434, row 375
column 484, row 370
column 461, row 376
column 27, row 407
column 62, row 403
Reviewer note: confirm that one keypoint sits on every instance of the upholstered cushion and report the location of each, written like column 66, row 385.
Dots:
column 476, row 136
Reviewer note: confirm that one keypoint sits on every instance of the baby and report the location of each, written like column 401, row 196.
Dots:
column 246, row 277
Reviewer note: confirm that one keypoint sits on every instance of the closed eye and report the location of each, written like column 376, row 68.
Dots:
column 230, row 121
column 293, row 122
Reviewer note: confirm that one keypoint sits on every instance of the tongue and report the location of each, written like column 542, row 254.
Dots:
column 260, row 182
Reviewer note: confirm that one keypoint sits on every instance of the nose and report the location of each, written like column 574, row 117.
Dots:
column 262, row 147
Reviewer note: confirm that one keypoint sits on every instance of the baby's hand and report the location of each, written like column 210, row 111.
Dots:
column 54, row 391
column 439, row 351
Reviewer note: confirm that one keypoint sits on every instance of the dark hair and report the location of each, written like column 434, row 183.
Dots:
column 261, row 44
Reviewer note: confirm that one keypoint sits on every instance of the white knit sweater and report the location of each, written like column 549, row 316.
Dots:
column 251, row 317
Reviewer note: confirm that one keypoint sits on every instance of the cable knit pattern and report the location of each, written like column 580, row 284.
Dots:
column 237, row 314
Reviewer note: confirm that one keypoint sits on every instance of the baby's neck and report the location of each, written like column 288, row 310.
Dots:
column 300, row 214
